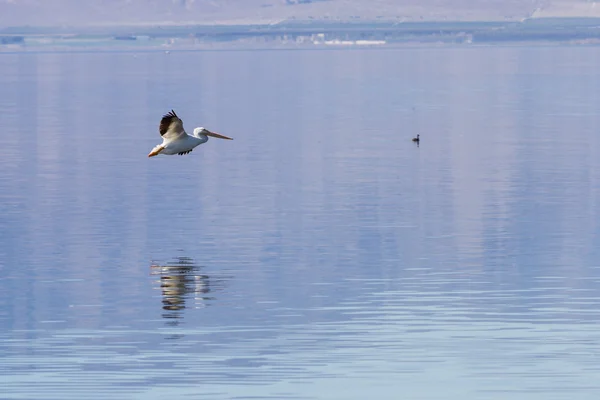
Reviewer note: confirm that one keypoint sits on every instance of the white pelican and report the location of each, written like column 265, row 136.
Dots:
column 176, row 140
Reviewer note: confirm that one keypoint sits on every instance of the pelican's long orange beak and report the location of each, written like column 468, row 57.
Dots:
column 156, row 151
column 212, row 134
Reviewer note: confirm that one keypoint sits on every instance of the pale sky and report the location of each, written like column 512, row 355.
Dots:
column 77, row 12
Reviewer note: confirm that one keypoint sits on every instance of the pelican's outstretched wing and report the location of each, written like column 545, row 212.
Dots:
column 170, row 126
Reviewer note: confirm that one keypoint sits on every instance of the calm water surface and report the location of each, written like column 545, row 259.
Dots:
column 319, row 255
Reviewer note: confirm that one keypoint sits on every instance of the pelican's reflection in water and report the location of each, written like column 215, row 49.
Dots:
column 182, row 280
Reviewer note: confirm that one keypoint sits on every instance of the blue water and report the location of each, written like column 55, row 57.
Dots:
column 320, row 254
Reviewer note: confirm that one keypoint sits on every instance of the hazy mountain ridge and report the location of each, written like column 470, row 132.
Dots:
column 77, row 12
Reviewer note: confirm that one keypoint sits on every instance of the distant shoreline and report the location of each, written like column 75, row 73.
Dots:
column 225, row 48
column 303, row 35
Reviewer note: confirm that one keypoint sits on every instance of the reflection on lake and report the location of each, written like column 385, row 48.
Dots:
column 181, row 281
column 319, row 255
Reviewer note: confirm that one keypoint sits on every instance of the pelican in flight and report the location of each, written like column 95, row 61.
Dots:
column 176, row 140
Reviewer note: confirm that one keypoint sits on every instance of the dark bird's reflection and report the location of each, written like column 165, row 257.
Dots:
column 180, row 282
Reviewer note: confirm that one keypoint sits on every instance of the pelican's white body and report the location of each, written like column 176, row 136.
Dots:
column 184, row 142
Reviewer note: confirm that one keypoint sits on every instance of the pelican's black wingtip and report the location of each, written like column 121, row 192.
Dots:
column 170, row 114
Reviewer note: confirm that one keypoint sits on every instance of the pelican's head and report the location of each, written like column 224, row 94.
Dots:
column 201, row 131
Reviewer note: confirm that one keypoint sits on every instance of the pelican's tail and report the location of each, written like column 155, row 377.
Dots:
column 156, row 150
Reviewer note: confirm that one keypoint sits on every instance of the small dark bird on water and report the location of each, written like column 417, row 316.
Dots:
column 416, row 139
